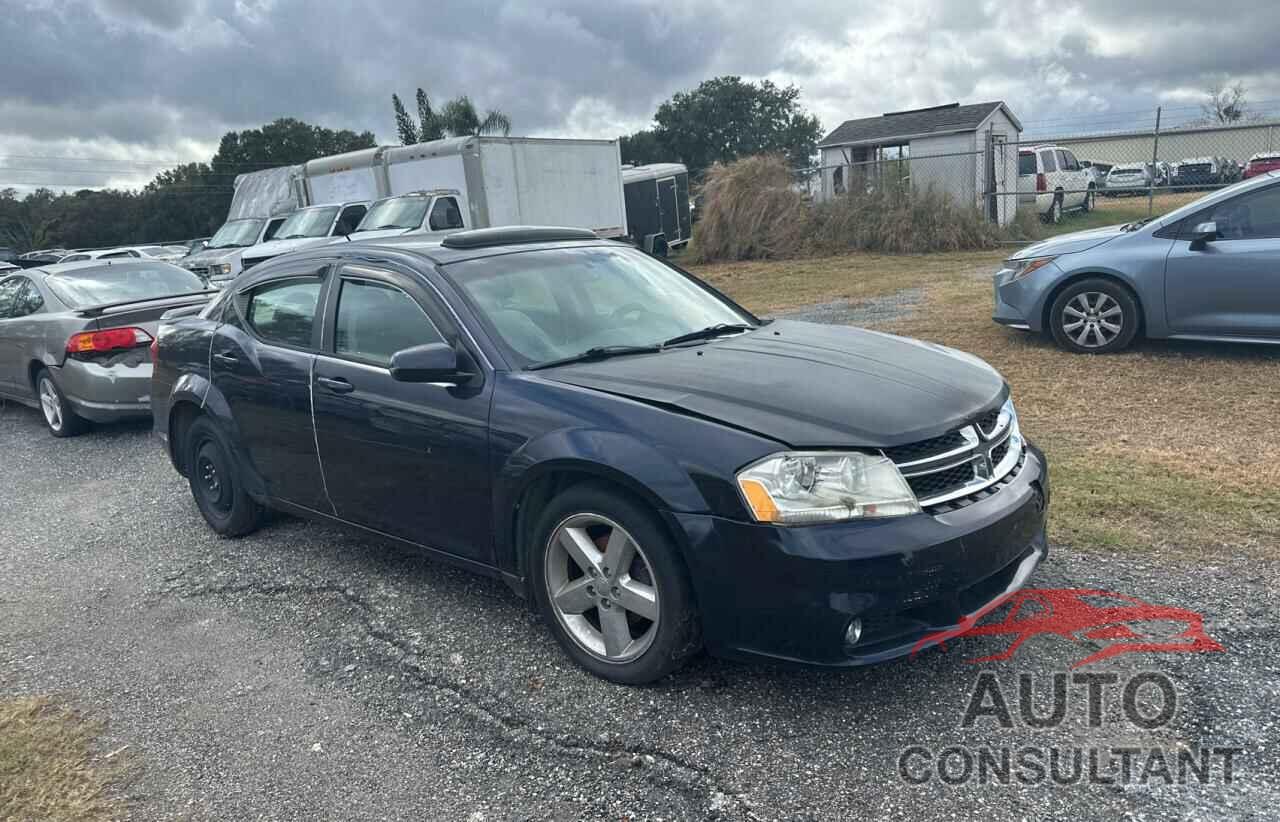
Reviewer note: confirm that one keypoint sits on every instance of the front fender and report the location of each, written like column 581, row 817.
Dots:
column 648, row 473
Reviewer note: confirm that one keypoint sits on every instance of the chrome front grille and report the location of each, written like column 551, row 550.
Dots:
column 945, row 471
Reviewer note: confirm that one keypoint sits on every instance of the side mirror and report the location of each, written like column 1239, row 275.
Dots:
column 1202, row 234
column 433, row 362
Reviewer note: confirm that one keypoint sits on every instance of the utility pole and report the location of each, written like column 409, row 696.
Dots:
column 1155, row 152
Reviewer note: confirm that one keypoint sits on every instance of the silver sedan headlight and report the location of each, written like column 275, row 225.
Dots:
column 1017, row 269
column 804, row 488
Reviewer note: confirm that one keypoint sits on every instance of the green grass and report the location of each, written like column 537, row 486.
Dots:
column 1115, row 210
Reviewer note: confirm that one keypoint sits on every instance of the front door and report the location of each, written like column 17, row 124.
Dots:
column 1231, row 285
column 407, row 459
column 669, row 207
column 261, row 361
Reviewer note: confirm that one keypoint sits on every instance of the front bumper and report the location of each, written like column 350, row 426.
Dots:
column 1016, row 303
column 106, row 393
column 789, row 594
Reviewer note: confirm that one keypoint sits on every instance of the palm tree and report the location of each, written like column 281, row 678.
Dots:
column 456, row 118
column 459, row 118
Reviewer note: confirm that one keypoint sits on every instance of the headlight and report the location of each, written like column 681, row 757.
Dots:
column 822, row 486
column 225, row 268
column 1021, row 268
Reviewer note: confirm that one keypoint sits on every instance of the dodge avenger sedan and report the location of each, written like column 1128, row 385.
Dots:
column 657, row 469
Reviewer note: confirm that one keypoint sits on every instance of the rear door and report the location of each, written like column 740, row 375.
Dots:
column 406, row 459
column 1231, row 286
column 261, row 361
column 669, row 206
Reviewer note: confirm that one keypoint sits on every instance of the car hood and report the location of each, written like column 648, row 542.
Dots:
column 274, row 248
column 807, row 385
column 210, row 256
column 1071, row 243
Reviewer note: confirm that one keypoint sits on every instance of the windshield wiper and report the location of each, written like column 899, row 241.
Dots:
column 600, row 352
column 294, row 237
column 1136, row 224
column 385, row 226
column 717, row 330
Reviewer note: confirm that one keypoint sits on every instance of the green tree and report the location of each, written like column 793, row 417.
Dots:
column 643, row 147
column 405, row 127
column 726, row 118
column 431, row 128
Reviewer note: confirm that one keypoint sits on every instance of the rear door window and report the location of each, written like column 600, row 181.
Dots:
column 284, row 312
column 1047, row 162
column 9, row 291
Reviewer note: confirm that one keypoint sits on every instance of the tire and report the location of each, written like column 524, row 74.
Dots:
column 579, row 609
column 215, row 483
column 1082, row 317
column 59, row 417
column 1055, row 210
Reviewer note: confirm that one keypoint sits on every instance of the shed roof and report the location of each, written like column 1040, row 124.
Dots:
column 921, row 122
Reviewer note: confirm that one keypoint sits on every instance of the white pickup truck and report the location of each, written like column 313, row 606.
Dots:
column 1053, row 181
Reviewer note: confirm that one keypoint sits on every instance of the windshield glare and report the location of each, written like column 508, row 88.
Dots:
column 546, row 305
column 88, row 287
column 309, row 222
column 236, row 233
column 397, row 212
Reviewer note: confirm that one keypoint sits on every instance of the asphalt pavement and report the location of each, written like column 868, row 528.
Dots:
column 308, row 673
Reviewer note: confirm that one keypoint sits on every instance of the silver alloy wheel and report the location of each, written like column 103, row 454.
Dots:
column 1092, row 319
column 50, row 404
column 601, row 587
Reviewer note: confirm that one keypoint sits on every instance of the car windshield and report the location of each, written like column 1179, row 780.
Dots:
column 107, row 284
column 557, row 303
column 396, row 212
column 236, row 234
column 309, row 222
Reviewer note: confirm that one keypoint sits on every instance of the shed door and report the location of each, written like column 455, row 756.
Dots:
column 669, row 205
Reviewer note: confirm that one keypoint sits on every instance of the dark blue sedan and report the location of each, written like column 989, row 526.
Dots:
column 651, row 465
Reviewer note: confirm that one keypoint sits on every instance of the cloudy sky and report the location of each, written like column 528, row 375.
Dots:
column 97, row 92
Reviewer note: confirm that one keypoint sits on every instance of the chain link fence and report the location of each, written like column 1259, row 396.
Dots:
column 1059, row 172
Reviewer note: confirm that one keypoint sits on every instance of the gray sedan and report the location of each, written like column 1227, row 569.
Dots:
column 1207, row 271
column 74, row 337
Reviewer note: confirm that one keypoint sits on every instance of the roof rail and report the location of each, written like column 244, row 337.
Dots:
column 515, row 235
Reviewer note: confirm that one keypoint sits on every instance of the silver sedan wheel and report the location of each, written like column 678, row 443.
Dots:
column 50, row 404
column 601, row 587
column 1092, row 319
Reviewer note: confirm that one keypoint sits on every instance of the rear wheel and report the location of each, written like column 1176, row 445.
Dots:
column 59, row 417
column 1094, row 317
column 612, row 587
column 215, row 483
column 1054, row 214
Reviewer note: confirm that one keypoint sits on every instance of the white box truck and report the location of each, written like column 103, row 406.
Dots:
column 261, row 201
column 443, row 186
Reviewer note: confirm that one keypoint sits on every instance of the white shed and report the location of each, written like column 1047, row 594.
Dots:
column 969, row 151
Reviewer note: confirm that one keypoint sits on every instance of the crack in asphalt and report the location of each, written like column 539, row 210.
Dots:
column 690, row 776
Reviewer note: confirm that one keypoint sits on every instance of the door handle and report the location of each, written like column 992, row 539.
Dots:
column 226, row 359
column 336, row 384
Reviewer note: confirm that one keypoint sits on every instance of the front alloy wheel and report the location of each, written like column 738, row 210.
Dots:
column 1094, row 317
column 612, row 586
column 601, row 588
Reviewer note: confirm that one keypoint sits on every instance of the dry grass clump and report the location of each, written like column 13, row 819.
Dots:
column 752, row 212
column 47, row 767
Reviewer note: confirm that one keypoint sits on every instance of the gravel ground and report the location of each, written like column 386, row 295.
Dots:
column 887, row 308
column 305, row 673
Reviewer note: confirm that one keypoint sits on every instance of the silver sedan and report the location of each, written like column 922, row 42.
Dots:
column 74, row 337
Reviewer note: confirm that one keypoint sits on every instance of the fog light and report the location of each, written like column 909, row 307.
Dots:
column 853, row 633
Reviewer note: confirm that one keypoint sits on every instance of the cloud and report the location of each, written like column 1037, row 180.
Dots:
column 165, row 78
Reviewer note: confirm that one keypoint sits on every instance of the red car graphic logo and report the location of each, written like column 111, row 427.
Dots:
column 1129, row 624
